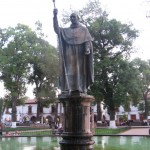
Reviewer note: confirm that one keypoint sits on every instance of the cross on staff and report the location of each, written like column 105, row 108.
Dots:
column 54, row 3
column 62, row 55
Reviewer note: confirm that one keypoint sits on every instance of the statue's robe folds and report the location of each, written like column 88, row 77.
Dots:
column 76, row 67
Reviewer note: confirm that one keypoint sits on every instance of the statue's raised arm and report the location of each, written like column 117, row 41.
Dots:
column 55, row 21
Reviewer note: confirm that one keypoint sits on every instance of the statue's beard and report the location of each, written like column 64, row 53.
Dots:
column 75, row 25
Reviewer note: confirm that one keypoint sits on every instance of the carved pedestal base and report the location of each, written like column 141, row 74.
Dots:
column 77, row 131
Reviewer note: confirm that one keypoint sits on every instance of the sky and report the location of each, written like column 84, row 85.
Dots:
column 29, row 11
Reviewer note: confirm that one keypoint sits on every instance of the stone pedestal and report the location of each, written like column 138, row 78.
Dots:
column 77, row 129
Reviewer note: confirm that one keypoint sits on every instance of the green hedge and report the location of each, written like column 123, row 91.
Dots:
column 21, row 129
column 109, row 131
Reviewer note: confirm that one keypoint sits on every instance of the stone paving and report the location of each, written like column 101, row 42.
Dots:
column 136, row 131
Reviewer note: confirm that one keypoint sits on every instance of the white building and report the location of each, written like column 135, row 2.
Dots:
column 28, row 112
column 120, row 116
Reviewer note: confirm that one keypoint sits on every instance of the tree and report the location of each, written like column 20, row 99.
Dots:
column 16, row 44
column 141, row 107
column 25, row 57
column 115, row 77
column 45, row 71
column 2, row 107
column 120, row 87
column 144, row 71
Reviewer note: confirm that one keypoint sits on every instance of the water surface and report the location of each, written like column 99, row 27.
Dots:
column 101, row 143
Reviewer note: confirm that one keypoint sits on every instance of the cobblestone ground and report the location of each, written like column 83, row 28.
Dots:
column 137, row 131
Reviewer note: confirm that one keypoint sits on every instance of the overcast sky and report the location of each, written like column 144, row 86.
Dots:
column 29, row 11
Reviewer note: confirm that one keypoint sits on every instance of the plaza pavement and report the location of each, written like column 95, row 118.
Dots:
column 136, row 131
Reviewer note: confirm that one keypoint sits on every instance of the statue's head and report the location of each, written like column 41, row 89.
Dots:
column 74, row 18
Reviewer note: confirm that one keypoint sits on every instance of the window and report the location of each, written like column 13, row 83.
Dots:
column 53, row 109
column 30, row 109
column 41, row 109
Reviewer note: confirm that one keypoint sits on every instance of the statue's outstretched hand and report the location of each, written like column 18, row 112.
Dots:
column 87, row 52
column 87, row 48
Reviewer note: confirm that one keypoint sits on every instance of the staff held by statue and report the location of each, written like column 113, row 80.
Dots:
column 54, row 4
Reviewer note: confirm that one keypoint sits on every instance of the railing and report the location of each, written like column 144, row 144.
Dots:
column 109, row 131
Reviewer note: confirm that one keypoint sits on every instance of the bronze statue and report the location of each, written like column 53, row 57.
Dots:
column 76, row 56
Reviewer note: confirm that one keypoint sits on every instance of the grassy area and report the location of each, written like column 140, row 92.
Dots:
column 37, row 133
column 29, row 131
column 109, row 131
column 21, row 129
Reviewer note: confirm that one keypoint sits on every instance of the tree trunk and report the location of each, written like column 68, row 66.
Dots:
column 112, row 123
column 146, row 105
column 38, row 111
column 56, row 111
column 14, row 110
column 1, row 109
column 99, row 111
column 112, row 114
column 146, row 109
column 0, row 119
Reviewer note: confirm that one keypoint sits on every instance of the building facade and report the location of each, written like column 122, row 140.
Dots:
column 54, row 113
column 28, row 113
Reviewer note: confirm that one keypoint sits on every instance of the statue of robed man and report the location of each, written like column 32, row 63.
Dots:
column 76, row 56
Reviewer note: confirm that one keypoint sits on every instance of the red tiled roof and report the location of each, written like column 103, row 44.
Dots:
column 30, row 101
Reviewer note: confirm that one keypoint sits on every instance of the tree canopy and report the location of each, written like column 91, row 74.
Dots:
column 44, row 73
column 115, row 76
column 144, row 77
column 22, row 50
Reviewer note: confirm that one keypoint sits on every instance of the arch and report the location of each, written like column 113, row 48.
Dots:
column 49, row 118
column 33, row 119
column 50, row 121
column 26, row 119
